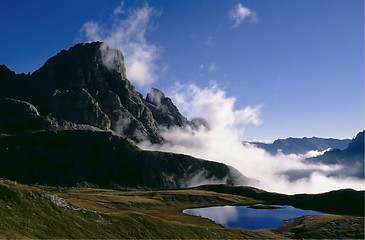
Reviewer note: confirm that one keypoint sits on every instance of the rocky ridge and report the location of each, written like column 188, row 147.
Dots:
column 87, row 84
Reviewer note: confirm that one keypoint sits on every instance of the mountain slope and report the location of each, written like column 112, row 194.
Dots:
column 87, row 84
column 102, row 159
column 352, row 158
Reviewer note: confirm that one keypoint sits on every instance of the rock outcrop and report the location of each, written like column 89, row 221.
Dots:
column 87, row 84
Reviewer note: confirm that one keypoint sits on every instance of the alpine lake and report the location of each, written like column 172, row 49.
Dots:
column 251, row 217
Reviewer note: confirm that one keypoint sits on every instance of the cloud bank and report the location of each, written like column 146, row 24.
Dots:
column 127, row 32
column 222, row 142
column 240, row 13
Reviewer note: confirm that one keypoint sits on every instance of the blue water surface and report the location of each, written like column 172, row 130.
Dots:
column 249, row 218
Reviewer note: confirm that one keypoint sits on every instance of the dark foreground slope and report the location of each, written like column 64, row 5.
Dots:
column 103, row 159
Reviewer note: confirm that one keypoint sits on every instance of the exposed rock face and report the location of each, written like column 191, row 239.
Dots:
column 87, row 84
column 79, row 106
column 164, row 111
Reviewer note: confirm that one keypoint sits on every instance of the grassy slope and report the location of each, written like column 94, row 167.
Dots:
column 27, row 212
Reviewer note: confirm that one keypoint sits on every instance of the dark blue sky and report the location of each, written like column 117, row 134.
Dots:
column 300, row 62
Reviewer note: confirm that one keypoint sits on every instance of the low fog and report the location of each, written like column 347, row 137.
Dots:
column 223, row 142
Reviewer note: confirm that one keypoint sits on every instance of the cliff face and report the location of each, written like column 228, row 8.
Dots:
column 87, row 84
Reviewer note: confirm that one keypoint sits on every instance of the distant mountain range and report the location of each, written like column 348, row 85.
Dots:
column 302, row 145
column 352, row 158
column 72, row 123
column 348, row 153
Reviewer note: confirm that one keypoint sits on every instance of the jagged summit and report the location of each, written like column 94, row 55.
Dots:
column 87, row 84
column 83, row 65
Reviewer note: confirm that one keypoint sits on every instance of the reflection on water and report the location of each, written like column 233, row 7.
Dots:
column 250, row 218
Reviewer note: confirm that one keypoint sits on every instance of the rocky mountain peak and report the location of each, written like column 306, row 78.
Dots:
column 87, row 84
column 85, row 65
column 155, row 96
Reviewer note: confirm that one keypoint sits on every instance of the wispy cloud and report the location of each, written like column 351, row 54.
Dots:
column 212, row 67
column 119, row 9
column 209, row 41
column 240, row 13
column 128, row 34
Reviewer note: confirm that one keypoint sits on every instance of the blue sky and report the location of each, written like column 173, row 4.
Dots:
column 299, row 63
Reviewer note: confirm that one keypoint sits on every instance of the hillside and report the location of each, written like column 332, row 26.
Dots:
column 102, row 159
column 48, row 212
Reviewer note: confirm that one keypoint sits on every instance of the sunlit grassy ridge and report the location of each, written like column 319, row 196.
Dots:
column 54, row 212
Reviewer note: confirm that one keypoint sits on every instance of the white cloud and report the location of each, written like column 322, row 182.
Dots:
column 212, row 67
column 92, row 30
column 209, row 41
column 129, row 36
column 222, row 142
column 119, row 9
column 213, row 104
column 241, row 13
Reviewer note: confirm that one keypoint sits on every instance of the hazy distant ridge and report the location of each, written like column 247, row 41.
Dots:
column 303, row 145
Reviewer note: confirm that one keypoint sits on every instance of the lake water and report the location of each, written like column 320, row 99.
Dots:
column 250, row 218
